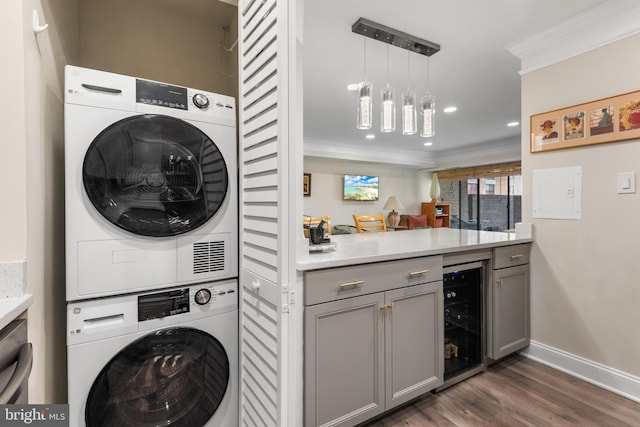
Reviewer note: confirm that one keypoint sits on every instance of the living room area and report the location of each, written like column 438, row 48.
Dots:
column 476, row 197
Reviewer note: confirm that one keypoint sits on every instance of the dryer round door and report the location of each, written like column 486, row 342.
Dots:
column 155, row 175
column 175, row 376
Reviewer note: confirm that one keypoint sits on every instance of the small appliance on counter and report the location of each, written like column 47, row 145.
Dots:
column 316, row 234
column 317, row 240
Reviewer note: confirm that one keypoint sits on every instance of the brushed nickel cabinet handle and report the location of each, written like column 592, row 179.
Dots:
column 516, row 256
column 417, row 273
column 349, row 284
column 499, row 282
column 383, row 307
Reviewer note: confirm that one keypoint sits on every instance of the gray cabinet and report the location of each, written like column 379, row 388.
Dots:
column 508, row 301
column 366, row 354
column 344, row 361
column 414, row 342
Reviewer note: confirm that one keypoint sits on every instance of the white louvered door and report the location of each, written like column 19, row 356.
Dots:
column 268, row 159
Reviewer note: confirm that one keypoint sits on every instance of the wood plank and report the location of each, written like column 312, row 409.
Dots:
column 516, row 392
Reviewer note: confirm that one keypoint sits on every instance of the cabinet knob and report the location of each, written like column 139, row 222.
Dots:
column 386, row 307
column 499, row 282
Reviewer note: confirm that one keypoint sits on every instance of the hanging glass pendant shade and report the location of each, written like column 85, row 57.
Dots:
column 365, row 105
column 427, row 111
column 387, row 110
column 427, row 115
column 388, row 106
column 409, row 112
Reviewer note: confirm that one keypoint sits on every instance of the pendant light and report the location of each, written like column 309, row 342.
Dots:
column 411, row 119
column 409, row 112
column 388, row 106
column 427, row 111
column 365, row 106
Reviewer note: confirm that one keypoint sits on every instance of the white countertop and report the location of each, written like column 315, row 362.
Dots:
column 11, row 308
column 363, row 248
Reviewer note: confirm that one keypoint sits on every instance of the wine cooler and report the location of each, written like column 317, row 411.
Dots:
column 463, row 322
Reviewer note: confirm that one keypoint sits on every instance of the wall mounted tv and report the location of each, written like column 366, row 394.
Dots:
column 360, row 187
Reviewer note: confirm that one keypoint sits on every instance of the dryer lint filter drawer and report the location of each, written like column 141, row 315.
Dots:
column 111, row 266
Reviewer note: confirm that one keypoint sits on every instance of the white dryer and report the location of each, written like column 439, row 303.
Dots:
column 168, row 357
column 151, row 184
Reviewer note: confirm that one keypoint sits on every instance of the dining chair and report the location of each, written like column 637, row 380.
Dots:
column 315, row 220
column 370, row 223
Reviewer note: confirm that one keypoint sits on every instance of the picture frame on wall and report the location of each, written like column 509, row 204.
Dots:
column 306, row 184
column 605, row 120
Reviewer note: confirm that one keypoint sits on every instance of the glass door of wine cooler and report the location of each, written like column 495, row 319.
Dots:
column 463, row 321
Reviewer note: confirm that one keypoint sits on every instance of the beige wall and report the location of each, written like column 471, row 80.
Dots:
column 173, row 41
column 584, row 284
column 189, row 53
column 13, row 216
column 411, row 186
column 44, row 58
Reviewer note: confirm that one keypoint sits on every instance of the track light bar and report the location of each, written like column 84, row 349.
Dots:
column 394, row 37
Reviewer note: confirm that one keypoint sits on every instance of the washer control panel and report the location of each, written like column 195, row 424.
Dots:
column 214, row 295
column 163, row 304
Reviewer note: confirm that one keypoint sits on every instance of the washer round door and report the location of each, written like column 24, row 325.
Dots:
column 175, row 376
column 155, row 175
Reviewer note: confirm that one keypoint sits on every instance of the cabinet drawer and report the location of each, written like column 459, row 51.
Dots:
column 508, row 256
column 345, row 282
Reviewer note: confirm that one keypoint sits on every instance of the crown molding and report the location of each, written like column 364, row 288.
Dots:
column 331, row 150
column 610, row 21
column 504, row 150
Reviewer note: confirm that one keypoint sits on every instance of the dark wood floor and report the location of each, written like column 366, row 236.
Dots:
column 517, row 392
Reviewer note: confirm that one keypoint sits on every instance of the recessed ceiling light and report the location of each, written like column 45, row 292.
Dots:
column 428, row 144
column 353, row 86
column 450, row 109
column 512, row 124
column 370, row 136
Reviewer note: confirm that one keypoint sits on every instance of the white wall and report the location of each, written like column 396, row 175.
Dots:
column 584, row 283
column 410, row 185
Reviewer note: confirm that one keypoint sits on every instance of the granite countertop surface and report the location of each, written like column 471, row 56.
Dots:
column 13, row 298
column 11, row 308
column 352, row 249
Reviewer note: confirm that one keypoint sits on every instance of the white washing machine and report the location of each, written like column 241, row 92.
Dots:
column 151, row 185
column 167, row 357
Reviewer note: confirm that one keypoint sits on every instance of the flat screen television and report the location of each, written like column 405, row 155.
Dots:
column 360, row 187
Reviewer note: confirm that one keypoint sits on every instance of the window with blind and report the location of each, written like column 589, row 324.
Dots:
column 485, row 197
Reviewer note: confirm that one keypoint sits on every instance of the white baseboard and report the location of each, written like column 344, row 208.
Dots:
column 592, row 372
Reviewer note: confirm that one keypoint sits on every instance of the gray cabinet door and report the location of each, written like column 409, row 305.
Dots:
column 509, row 311
column 414, row 342
column 344, row 361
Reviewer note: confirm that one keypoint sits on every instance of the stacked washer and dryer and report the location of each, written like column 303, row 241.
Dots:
column 151, row 253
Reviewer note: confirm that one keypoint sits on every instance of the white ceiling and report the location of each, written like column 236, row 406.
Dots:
column 473, row 71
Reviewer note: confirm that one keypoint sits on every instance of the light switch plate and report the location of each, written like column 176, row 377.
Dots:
column 626, row 182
